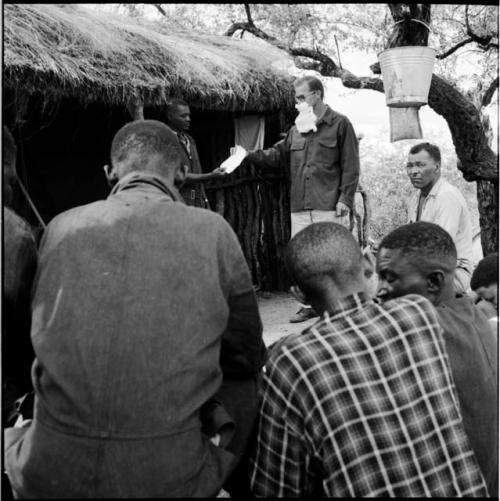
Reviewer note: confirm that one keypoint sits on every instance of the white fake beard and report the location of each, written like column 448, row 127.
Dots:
column 306, row 119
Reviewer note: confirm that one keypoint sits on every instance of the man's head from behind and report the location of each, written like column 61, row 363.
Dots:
column 418, row 258
column 145, row 146
column 325, row 262
column 178, row 115
column 484, row 281
column 9, row 166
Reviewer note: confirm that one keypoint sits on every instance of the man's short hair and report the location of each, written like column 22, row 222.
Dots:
column 431, row 149
column 173, row 103
column 486, row 272
column 144, row 138
column 313, row 82
column 9, row 153
column 323, row 249
column 423, row 244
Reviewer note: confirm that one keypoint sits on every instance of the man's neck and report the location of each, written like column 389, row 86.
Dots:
column 445, row 294
column 319, row 109
column 333, row 296
column 427, row 189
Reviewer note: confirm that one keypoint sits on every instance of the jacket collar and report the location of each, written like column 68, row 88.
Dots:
column 327, row 117
column 435, row 189
column 138, row 179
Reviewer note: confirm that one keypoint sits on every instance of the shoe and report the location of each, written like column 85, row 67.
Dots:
column 302, row 315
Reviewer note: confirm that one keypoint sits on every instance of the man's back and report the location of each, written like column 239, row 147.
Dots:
column 129, row 308
column 473, row 354
column 362, row 404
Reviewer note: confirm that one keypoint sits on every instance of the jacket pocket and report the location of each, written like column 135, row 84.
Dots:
column 327, row 152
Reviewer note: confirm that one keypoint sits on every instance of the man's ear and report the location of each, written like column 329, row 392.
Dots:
column 435, row 281
column 369, row 262
column 111, row 175
column 298, row 294
column 180, row 175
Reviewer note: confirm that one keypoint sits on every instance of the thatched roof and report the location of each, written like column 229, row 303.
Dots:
column 72, row 50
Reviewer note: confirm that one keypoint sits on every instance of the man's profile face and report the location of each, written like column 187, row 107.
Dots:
column 303, row 94
column 180, row 117
column 422, row 169
column 489, row 293
column 397, row 276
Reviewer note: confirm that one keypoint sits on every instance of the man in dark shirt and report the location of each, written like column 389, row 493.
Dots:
column 323, row 159
column 141, row 305
column 193, row 191
column 420, row 258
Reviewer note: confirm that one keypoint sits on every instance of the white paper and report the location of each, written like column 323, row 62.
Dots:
column 238, row 153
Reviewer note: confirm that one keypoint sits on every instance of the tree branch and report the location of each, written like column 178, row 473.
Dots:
column 160, row 9
column 490, row 91
column 249, row 16
column 454, row 48
column 484, row 42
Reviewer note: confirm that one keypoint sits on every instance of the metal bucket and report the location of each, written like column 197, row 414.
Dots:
column 407, row 73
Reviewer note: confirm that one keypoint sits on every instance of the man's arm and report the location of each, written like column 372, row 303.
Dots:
column 193, row 178
column 274, row 157
column 243, row 351
column 280, row 465
column 349, row 163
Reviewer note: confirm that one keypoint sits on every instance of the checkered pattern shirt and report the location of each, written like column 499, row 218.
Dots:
column 362, row 404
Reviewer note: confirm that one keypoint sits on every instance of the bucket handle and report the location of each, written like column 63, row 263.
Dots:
column 417, row 21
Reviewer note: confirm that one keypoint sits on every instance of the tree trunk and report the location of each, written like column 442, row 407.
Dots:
column 487, row 198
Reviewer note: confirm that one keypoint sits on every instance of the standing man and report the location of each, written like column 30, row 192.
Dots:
column 439, row 202
column 361, row 404
column 420, row 258
column 179, row 120
column 140, row 306
column 321, row 151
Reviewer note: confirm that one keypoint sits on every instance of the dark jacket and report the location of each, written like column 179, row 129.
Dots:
column 473, row 353
column 133, row 299
column 324, row 165
column 193, row 192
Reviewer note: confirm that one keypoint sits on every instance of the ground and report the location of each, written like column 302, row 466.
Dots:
column 275, row 310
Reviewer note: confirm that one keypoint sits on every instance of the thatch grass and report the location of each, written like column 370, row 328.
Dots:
column 75, row 51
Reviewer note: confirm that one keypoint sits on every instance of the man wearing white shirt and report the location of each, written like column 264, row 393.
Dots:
column 441, row 203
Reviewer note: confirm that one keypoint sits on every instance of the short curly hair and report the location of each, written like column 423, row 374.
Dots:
column 425, row 244
column 431, row 149
column 486, row 272
column 323, row 249
column 142, row 138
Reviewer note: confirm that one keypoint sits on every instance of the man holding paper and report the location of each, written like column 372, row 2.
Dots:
column 193, row 191
column 321, row 150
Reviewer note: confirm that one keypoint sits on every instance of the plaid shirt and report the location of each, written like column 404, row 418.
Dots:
column 362, row 404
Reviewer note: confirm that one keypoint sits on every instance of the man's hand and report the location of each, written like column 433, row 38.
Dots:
column 342, row 209
column 218, row 172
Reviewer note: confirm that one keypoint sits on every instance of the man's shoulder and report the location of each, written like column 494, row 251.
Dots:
column 334, row 115
column 448, row 191
column 298, row 352
column 461, row 310
column 14, row 223
column 78, row 213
